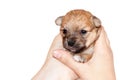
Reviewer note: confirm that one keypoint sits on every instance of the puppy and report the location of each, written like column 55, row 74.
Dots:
column 79, row 30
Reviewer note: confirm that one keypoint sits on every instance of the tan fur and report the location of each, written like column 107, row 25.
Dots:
column 73, row 40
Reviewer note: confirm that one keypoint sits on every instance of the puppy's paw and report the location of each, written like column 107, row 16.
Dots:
column 78, row 58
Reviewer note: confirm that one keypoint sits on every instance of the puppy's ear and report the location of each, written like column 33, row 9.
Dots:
column 58, row 21
column 96, row 21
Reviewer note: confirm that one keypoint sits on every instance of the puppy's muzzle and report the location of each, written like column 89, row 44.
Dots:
column 71, row 42
column 74, row 46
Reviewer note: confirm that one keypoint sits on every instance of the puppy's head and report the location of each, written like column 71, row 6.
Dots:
column 79, row 29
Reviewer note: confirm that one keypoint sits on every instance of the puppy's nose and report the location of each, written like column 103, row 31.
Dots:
column 71, row 42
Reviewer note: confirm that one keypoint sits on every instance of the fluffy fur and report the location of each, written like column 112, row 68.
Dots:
column 79, row 30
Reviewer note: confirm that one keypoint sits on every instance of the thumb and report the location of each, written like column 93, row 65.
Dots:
column 67, row 59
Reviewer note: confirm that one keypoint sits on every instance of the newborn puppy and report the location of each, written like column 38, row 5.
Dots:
column 79, row 30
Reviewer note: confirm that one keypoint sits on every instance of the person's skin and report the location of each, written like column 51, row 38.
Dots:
column 99, row 67
column 52, row 68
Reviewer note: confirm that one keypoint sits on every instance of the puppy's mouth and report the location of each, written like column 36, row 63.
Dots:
column 74, row 49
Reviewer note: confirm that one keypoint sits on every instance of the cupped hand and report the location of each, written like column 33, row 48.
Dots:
column 99, row 67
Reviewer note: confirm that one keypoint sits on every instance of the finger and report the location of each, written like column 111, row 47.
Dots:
column 67, row 59
column 102, row 41
column 56, row 44
column 104, row 34
column 106, row 37
column 57, row 39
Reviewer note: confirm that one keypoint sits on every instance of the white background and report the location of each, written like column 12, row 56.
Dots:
column 27, row 29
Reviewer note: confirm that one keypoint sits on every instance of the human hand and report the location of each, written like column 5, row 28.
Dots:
column 52, row 68
column 99, row 67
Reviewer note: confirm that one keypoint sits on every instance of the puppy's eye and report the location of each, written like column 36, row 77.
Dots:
column 64, row 31
column 83, row 32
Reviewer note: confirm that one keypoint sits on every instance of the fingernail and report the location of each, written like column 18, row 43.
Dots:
column 57, row 54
